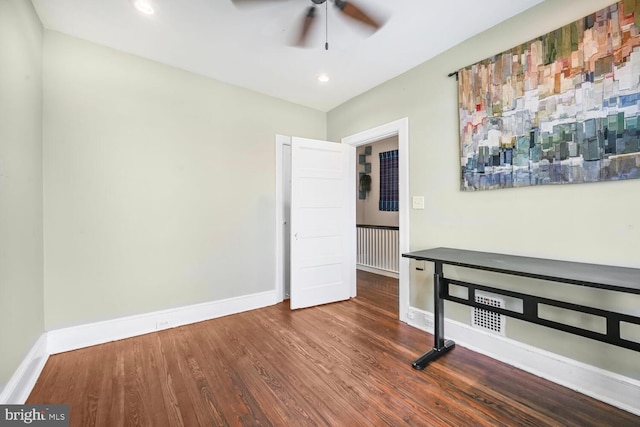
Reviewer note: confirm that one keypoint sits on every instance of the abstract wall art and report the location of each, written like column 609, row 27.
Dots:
column 560, row 109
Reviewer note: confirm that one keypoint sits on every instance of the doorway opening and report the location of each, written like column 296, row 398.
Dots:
column 377, row 222
column 377, row 208
column 399, row 128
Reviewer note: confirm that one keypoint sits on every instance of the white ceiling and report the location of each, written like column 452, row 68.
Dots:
column 252, row 46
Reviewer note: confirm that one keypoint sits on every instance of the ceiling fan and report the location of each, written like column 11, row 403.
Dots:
column 348, row 8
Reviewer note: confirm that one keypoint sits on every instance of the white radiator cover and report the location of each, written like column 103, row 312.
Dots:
column 378, row 248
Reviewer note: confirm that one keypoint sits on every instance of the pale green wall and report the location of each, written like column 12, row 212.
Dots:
column 157, row 193
column 159, row 184
column 21, row 277
column 591, row 222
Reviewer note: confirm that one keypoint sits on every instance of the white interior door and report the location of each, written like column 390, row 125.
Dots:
column 323, row 222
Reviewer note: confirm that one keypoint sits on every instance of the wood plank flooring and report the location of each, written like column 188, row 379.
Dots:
column 341, row 364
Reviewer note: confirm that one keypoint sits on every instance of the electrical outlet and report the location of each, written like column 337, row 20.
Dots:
column 162, row 324
column 411, row 315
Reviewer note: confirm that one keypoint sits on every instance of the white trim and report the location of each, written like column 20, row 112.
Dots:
column 609, row 387
column 281, row 141
column 606, row 386
column 61, row 340
column 17, row 390
column 401, row 129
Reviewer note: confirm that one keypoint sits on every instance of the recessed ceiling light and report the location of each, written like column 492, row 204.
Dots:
column 144, row 6
column 323, row 78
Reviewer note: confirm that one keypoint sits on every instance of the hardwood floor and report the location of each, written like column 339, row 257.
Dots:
column 341, row 364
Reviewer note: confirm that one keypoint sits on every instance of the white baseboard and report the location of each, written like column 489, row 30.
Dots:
column 17, row 390
column 72, row 338
column 377, row 271
column 606, row 386
column 614, row 389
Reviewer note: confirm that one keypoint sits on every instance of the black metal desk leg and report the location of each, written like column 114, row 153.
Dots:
column 440, row 345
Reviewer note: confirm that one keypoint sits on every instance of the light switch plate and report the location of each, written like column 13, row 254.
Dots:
column 418, row 202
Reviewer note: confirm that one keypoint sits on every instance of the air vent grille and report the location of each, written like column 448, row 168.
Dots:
column 488, row 320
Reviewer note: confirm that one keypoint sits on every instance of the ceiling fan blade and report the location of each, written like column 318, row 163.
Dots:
column 353, row 11
column 309, row 19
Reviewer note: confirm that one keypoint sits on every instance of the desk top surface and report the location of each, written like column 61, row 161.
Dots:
column 622, row 279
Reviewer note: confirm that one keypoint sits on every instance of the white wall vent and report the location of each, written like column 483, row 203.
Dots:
column 488, row 320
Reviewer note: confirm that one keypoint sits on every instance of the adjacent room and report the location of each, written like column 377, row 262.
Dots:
column 233, row 212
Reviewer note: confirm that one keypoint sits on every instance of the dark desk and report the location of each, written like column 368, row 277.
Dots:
column 610, row 278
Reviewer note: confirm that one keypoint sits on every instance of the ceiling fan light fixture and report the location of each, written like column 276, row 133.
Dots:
column 144, row 6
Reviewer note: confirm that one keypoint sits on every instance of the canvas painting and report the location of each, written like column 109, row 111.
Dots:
column 560, row 109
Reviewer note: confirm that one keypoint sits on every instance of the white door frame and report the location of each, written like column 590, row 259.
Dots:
column 281, row 141
column 401, row 129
